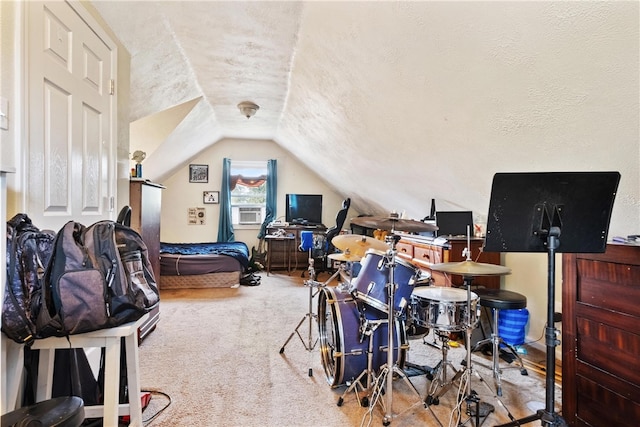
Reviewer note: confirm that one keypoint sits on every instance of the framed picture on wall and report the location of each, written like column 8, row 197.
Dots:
column 199, row 173
column 211, row 197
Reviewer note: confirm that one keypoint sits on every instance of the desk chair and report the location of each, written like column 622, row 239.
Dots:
column 332, row 232
column 314, row 243
column 124, row 216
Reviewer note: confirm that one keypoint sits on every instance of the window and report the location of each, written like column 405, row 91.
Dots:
column 248, row 192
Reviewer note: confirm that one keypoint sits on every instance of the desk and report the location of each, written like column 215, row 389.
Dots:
column 281, row 247
column 300, row 258
column 109, row 339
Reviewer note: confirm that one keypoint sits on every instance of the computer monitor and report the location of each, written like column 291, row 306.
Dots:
column 304, row 209
column 454, row 223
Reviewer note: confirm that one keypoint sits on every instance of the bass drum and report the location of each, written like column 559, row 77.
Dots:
column 343, row 353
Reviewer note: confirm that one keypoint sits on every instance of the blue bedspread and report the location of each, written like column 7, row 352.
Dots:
column 236, row 250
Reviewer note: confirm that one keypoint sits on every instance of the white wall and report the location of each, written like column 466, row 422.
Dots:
column 293, row 177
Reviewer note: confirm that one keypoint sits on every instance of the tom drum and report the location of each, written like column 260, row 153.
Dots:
column 371, row 283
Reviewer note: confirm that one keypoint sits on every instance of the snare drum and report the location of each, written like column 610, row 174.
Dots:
column 444, row 309
column 342, row 347
column 371, row 283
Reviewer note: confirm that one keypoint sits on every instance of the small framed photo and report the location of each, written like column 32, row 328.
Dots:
column 199, row 173
column 211, row 197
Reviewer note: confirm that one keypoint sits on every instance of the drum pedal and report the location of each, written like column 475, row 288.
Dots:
column 484, row 411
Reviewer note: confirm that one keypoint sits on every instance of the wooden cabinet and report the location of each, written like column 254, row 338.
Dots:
column 145, row 199
column 424, row 252
column 600, row 338
column 276, row 255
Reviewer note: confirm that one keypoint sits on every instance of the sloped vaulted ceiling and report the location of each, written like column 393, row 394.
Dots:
column 394, row 103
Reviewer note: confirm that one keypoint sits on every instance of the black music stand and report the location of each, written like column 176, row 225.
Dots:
column 527, row 213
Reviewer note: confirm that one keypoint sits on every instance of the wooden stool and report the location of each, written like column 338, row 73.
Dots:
column 500, row 299
column 110, row 340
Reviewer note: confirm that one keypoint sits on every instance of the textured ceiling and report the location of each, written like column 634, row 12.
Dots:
column 394, row 103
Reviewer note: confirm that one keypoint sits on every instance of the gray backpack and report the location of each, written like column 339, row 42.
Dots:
column 99, row 277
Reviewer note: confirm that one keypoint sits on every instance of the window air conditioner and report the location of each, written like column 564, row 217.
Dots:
column 250, row 215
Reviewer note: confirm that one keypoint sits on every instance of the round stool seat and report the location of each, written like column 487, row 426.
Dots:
column 57, row 412
column 501, row 299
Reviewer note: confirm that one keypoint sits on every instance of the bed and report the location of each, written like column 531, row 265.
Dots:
column 202, row 265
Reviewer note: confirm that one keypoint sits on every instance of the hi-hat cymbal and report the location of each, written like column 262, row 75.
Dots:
column 344, row 256
column 357, row 244
column 471, row 268
column 393, row 224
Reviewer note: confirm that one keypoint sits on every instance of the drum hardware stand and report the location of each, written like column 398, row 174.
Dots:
column 439, row 384
column 480, row 409
column 310, row 315
column 390, row 368
column 471, row 397
column 368, row 327
column 342, row 273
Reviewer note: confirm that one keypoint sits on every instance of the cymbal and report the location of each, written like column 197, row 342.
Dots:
column 357, row 244
column 393, row 224
column 344, row 256
column 471, row 268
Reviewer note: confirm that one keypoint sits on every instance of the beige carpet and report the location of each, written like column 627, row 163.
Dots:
column 216, row 354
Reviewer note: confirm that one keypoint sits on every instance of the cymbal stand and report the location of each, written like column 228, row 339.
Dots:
column 310, row 315
column 367, row 329
column 390, row 368
column 471, row 396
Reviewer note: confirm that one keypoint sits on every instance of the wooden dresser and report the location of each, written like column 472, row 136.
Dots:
column 424, row 252
column 145, row 199
column 601, row 337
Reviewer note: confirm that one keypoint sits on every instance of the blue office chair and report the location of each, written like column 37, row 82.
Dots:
column 314, row 243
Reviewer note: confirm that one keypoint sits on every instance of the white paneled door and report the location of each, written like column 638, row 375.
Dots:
column 70, row 155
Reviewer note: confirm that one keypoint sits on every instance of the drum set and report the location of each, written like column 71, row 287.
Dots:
column 363, row 323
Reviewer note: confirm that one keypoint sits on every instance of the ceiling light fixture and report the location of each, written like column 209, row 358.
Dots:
column 248, row 108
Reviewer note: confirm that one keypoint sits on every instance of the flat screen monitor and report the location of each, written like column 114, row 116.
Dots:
column 454, row 223
column 304, row 209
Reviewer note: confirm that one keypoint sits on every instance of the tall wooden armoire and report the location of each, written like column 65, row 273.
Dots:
column 145, row 199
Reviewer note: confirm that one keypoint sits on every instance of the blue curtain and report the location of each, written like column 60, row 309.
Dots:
column 272, row 196
column 225, row 223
